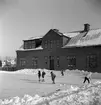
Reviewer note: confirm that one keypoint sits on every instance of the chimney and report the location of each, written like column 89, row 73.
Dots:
column 86, row 27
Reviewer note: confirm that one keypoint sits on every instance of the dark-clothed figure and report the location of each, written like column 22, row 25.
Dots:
column 53, row 76
column 87, row 78
column 43, row 75
column 39, row 75
column 62, row 72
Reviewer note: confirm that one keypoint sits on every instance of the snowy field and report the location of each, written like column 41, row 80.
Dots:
column 22, row 88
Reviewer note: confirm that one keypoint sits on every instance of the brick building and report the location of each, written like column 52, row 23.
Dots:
column 56, row 50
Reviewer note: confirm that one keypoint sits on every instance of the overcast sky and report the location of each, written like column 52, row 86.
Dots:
column 21, row 19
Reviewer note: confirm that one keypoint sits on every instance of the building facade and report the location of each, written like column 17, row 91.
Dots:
column 59, row 51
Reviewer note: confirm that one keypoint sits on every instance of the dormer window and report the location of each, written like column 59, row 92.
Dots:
column 25, row 45
column 33, row 44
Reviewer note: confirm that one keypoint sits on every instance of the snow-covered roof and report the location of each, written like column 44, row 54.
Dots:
column 71, row 34
column 32, row 38
column 37, row 37
column 38, row 48
column 90, row 38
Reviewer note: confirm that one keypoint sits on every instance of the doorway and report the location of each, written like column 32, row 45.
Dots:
column 51, row 59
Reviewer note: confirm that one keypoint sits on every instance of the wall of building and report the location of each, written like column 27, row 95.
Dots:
column 80, row 54
column 81, row 57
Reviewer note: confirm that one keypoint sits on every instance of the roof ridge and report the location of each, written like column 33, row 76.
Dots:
column 81, row 30
column 74, row 31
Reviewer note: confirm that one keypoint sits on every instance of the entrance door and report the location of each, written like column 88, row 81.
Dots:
column 51, row 58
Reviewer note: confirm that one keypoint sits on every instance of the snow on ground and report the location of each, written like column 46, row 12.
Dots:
column 16, row 88
column 85, row 95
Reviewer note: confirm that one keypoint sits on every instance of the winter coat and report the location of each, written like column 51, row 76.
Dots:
column 39, row 73
column 53, row 76
column 43, row 74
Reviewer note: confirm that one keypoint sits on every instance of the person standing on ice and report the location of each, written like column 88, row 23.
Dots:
column 62, row 72
column 53, row 76
column 87, row 77
column 39, row 75
column 43, row 75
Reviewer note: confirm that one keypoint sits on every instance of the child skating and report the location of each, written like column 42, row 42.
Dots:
column 53, row 76
column 87, row 78
column 39, row 75
column 43, row 75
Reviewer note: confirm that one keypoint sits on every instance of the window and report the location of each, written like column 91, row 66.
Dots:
column 58, row 43
column 25, row 45
column 92, row 60
column 30, row 45
column 46, row 44
column 35, row 62
column 51, row 42
column 33, row 44
column 51, row 57
column 22, row 62
column 58, row 62
column 71, row 61
column 46, row 60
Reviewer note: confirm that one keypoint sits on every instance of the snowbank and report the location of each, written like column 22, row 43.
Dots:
column 81, row 73
column 32, row 71
column 84, row 95
column 69, row 72
column 35, row 71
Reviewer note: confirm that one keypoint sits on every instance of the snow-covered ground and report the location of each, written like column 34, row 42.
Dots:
column 22, row 88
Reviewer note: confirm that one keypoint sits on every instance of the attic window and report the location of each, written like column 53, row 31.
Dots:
column 33, row 44
column 46, row 44
column 25, row 45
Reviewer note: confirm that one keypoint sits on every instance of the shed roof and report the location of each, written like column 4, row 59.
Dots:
column 37, row 48
column 33, row 38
